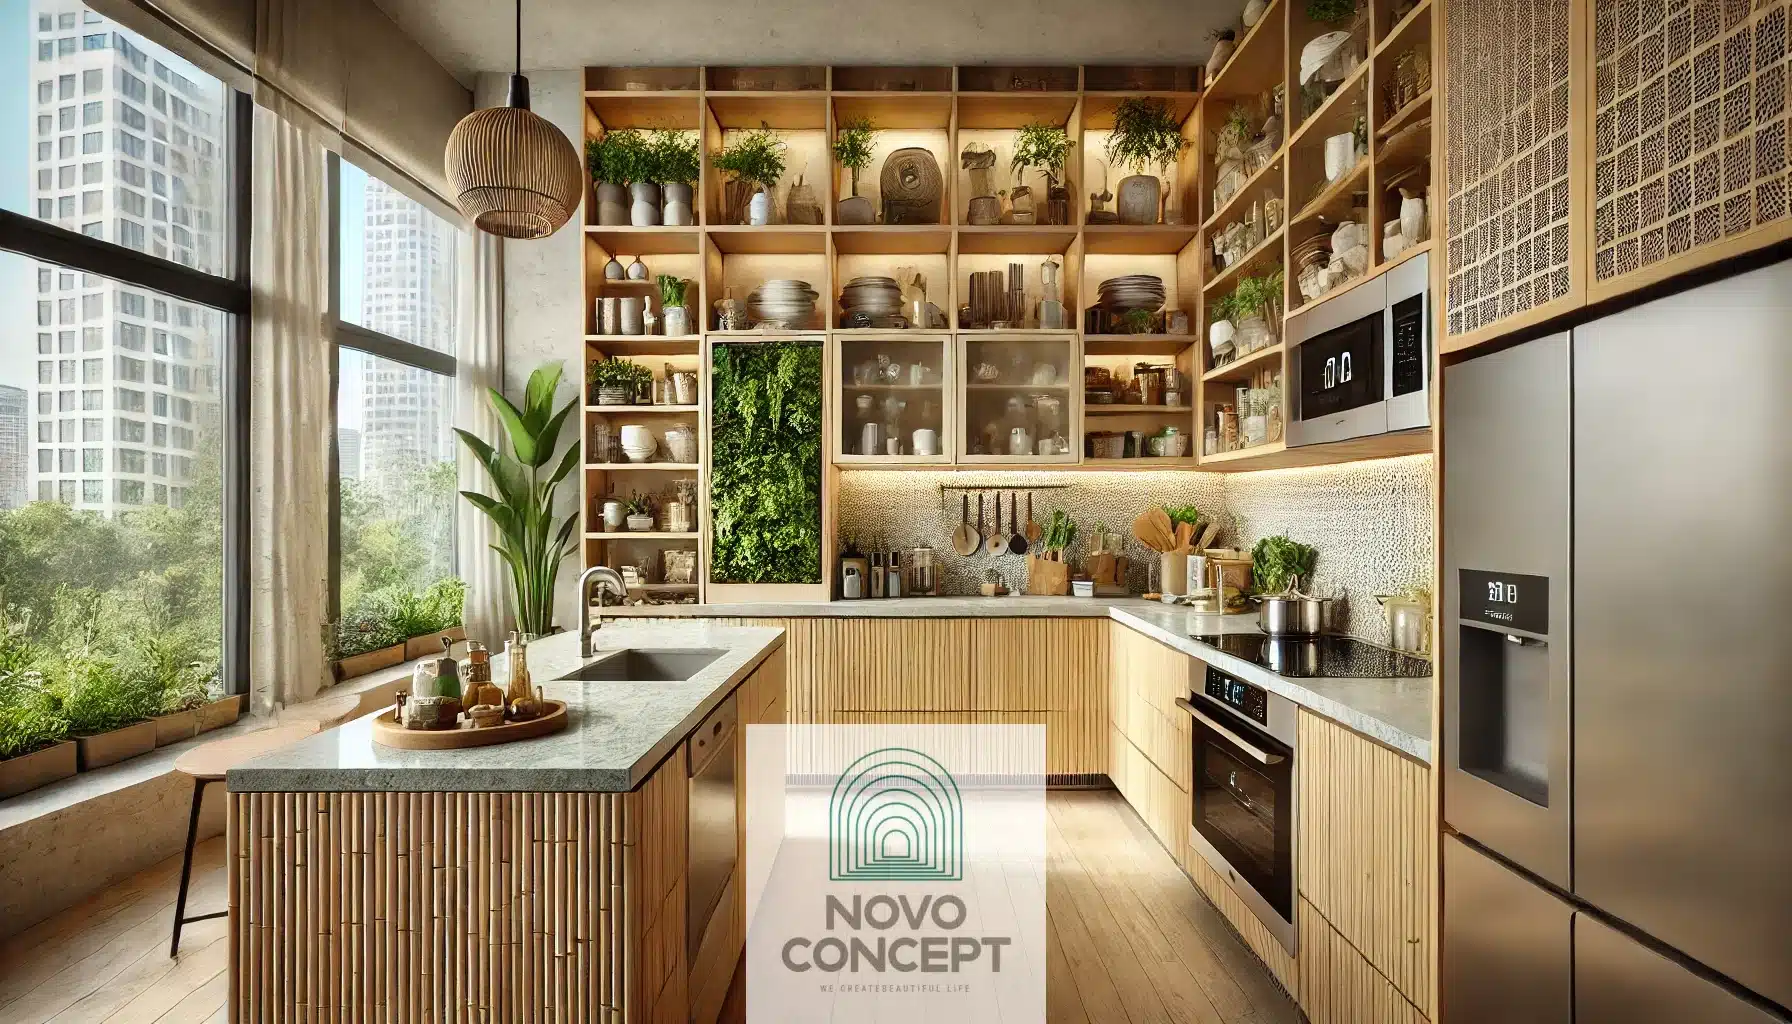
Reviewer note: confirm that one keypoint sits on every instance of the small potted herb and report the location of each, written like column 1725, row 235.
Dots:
column 1146, row 135
column 674, row 314
column 676, row 168
column 1047, row 147
column 852, row 150
column 641, row 510
column 34, row 746
column 755, row 163
column 1256, row 310
column 616, row 381
column 610, row 189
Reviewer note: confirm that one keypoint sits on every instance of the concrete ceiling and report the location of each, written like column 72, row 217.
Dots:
column 470, row 36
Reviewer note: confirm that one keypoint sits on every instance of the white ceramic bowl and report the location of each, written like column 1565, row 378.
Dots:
column 638, row 442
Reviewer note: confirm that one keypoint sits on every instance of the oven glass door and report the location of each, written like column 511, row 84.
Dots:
column 1244, row 808
column 1340, row 370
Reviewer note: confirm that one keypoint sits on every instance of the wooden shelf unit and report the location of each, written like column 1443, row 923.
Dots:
column 1269, row 55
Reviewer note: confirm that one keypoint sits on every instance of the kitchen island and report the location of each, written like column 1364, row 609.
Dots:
column 544, row 879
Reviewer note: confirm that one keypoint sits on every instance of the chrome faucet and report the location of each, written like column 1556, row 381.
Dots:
column 605, row 578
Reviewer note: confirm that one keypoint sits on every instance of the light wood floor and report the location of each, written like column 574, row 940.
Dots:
column 1131, row 941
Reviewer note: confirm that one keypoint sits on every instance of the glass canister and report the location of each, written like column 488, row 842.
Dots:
column 923, row 576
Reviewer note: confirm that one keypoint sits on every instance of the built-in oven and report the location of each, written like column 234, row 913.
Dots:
column 1361, row 363
column 1243, row 792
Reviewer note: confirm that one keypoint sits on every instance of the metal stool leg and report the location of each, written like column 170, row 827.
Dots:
column 186, row 866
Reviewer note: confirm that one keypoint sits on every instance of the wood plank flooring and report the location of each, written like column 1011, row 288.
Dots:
column 1130, row 941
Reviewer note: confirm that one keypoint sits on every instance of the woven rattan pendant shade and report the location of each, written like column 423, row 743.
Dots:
column 513, row 173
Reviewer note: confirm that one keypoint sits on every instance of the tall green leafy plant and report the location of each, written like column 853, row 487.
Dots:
column 852, row 147
column 1045, row 146
column 531, row 543
column 756, row 157
column 30, row 715
column 765, row 466
column 675, row 159
column 1146, row 134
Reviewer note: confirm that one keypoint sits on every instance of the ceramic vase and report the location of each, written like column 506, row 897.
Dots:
column 1340, row 155
column 1216, row 61
column 612, row 204
column 677, row 320
column 1139, row 195
column 644, row 209
column 1021, row 199
column 640, row 524
column 984, row 210
column 629, row 311
column 637, row 271
column 759, row 208
column 1220, row 334
column 1413, row 226
column 1253, row 12
column 613, row 517
column 613, row 270
column 677, row 211
column 855, row 210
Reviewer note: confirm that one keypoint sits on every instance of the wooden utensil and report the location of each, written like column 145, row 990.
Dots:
column 998, row 541
column 1153, row 529
column 1034, row 530
column 1209, row 533
column 963, row 540
column 980, row 534
column 1017, row 539
column 1185, row 532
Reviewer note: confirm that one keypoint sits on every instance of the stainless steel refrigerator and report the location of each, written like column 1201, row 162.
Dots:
column 1618, row 685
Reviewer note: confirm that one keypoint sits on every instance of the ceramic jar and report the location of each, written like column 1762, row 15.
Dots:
column 644, row 208
column 612, row 204
column 1220, row 335
column 1139, row 195
column 677, row 211
column 1413, row 225
column 677, row 321
column 1340, row 155
column 613, row 517
column 1253, row 12
column 629, row 310
column 759, row 208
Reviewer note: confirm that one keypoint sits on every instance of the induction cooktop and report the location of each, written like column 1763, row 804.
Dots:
column 1306, row 657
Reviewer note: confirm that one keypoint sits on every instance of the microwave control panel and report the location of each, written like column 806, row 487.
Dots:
column 1409, row 346
column 1251, row 701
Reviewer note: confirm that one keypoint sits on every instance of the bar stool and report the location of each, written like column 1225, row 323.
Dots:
column 207, row 764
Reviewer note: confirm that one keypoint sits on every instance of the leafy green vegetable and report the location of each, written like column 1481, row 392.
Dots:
column 1060, row 533
column 30, row 715
column 765, row 466
column 1183, row 514
column 1275, row 561
column 672, row 290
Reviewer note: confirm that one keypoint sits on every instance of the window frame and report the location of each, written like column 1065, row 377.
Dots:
column 46, row 243
column 368, row 342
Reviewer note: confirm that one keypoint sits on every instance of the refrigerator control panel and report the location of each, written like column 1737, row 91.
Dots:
column 1506, row 600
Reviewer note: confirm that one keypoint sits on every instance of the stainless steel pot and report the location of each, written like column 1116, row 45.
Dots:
column 1293, row 615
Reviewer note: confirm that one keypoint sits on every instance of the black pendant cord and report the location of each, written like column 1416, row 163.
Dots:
column 519, row 86
column 519, row 36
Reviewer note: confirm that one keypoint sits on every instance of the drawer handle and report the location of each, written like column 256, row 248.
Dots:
column 1262, row 756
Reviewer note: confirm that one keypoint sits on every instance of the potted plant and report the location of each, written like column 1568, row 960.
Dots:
column 1222, row 331
column 523, row 510
column 616, row 381
column 1256, row 309
column 1138, row 321
column 852, row 149
column 108, row 709
column 635, row 160
column 184, row 691
column 1225, row 42
column 674, row 314
column 641, row 512
column 676, row 168
column 1146, row 134
column 34, row 745
column 363, row 641
column 608, row 178
column 426, row 619
column 755, row 162
column 1047, row 147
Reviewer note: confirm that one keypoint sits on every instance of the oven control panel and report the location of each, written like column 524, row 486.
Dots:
column 1250, row 701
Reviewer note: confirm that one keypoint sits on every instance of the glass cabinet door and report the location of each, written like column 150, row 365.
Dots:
column 893, row 395
column 1019, row 398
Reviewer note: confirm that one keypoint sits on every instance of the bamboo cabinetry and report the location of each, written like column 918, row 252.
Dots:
column 1050, row 672
column 1366, row 854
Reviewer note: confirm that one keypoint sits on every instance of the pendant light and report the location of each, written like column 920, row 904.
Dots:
column 513, row 173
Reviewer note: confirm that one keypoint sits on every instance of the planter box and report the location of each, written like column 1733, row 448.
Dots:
column 430, row 643
column 181, row 725
column 219, row 713
column 102, row 749
column 26, row 772
column 371, row 661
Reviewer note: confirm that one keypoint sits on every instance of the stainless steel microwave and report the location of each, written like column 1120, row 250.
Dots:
column 1361, row 364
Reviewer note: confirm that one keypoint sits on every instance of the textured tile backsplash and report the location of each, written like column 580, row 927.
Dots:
column 1371, row 521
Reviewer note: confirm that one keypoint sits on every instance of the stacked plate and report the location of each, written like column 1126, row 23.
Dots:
column 874, row 297
column 1134, row 291
column 783, row 302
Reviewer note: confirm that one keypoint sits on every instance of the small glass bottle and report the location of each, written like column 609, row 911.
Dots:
column 517, row 657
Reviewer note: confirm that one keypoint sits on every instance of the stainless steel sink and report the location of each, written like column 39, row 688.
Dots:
column 636, row 665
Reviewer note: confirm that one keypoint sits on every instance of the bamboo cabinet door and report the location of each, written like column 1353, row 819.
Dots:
column 893, row 390
column 1018, row 391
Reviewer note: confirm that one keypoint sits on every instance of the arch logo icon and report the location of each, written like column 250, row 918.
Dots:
column 896, row 815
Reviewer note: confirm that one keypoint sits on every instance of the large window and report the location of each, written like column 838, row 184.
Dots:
column 396, row 277
column 117, row 568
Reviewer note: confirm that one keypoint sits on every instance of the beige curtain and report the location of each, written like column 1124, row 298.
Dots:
column 479, row 365
column 289, row 407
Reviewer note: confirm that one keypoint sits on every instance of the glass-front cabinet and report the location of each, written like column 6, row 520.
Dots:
column 893, row 392
column 1018, row 396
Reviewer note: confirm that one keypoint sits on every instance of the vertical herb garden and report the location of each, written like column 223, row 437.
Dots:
column 765, row 463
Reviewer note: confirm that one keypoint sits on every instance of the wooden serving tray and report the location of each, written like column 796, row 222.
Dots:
column 391, row 734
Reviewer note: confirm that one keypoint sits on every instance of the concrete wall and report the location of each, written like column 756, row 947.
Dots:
column 542, row 294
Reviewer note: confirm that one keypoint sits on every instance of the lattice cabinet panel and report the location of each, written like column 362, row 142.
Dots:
column 1508, row 159
column 1690, row 130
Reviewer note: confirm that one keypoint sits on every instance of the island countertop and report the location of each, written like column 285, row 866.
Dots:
column 618, row 733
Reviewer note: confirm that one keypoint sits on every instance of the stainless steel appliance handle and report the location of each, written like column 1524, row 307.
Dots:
column 1262, row 756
